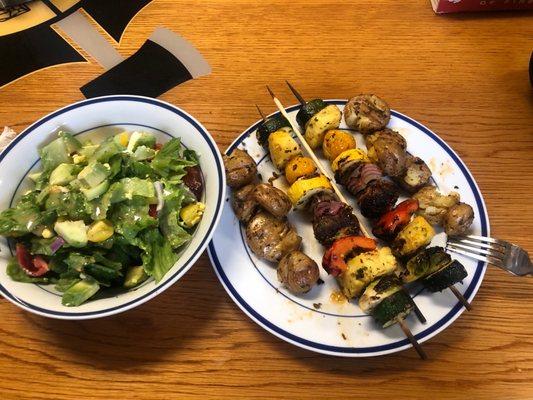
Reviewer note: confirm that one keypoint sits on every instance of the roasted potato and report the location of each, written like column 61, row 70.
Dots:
column 458, row 219
column 417, row 174
column 366, row 113
column 386, row 134
column 336, row 142
column 324, row 120
column 389, row 156
column 272, row 199
column 434, row 205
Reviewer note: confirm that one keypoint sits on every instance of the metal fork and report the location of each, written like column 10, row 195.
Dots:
column 502, row 254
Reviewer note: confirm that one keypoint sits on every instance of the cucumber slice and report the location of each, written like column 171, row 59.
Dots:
column 310, row 109
column 445, row 277
column 392, row 309
column 271, row 125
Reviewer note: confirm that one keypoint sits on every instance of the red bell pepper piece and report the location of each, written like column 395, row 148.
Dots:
column 334, row 260
column 392, row 222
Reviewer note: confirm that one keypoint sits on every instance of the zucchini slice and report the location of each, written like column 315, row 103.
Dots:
column 307, row 111
column 377, row 291
column 445, row 277
column 392, row 309
column 424, row 263
column 271, row 125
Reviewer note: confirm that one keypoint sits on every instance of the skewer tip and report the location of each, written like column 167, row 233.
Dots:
column 263, row 116
column 296, row 93
column 271, row 92
column 413, row 340
column 461, row 298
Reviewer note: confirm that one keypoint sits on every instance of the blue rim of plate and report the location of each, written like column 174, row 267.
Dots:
column 403, row 344
column 187, row 265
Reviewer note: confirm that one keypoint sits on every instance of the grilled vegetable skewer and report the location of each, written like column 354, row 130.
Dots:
column 333, row 222
column 398, row 313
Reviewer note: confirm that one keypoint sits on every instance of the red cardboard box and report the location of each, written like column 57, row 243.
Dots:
column 452, row 6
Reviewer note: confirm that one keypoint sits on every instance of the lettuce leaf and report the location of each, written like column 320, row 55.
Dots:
column 158, row 257
column 170, row 160
column 15, row 272
column 131, row 217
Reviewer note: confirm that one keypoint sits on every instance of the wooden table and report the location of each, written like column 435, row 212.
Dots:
column 463, row 76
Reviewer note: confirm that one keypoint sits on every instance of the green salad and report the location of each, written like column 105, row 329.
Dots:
column 103, row 216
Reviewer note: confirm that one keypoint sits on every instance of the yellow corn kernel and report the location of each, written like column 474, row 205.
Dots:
column 192, row 214
column 123, row 139
column 100, row 231
column 78, row 158
column 47, row 233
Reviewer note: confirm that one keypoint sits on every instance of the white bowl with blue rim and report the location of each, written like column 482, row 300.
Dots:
column 96, row 119
column 317, row 320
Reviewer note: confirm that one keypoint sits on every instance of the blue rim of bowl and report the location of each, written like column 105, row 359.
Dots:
column 403, row 344
column 192, row 259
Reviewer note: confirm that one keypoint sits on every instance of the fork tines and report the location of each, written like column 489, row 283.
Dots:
column 481, row 248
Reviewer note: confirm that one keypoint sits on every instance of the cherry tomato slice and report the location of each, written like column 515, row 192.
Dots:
column 40, row 265
column 33, row 266
column 152, row 211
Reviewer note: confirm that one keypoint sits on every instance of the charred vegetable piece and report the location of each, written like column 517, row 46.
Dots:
column 304, row 188
column 334, row 258
column 283, row 147
column 364, row 268
column 387, row 134
column 308, row 110
column 240, row 168
column 337, row 141
column 416, row 234
column 424, row 263
column 347, row 158
column 298, row 272
column 458, row 219
column 417, row 174
column 270, row 126
column 299, row 167
column 272, row 199
column 333, row 220
column 445, row 277
column 434, row 205
column 377, row 291
column 377, row 198
column 316, row 128
column 390, row 224
column 389, row 156
column 366, row 113
column 392, row 309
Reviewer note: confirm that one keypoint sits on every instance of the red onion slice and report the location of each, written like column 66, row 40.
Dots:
column 57, row 244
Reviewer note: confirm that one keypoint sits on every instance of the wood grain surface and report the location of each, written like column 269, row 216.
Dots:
column 464, row 76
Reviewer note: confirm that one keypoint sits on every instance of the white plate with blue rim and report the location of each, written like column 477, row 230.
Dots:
column 318, row 320
column 96, row 119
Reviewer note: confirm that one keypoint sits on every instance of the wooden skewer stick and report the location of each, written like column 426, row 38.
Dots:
column 263, row 116
column 296, row 94
column 413, row 340
column 461, row 298
column 416, row 309
column 311, row 153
